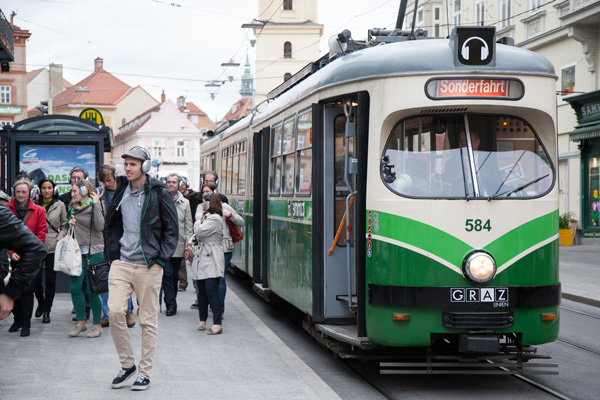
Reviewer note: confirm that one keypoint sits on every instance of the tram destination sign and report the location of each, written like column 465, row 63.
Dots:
column 468, row 87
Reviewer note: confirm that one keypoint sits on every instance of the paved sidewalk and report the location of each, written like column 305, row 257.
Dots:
column 248, row 361
column 579, row 268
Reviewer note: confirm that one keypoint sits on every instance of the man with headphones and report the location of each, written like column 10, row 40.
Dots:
column 107, row 175
column 141, row 234
column 171, row 282
column 74, row 174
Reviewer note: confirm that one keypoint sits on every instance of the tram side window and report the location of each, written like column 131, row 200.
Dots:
column 251, row 183
column 242, row 169
column 223, row 180
column 288, row 145
column 275, row 167
column 212, row 166
column 466, row 156
column 304, row 153
column 230, row 175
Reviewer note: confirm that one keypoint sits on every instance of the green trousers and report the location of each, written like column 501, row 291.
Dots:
column 77, row 293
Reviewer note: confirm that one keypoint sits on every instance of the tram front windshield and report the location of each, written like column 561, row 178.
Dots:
column 466, row 156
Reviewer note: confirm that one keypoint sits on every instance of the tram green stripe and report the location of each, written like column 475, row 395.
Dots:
column 524, row 237
column 283, row 209
column 429, row 239
column 422, row 236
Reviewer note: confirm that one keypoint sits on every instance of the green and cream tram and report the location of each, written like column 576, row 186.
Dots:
column 403, row 194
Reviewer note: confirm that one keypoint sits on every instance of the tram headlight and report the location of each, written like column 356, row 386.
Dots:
column 479, row 267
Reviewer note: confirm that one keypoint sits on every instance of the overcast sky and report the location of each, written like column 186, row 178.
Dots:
column 175, row 45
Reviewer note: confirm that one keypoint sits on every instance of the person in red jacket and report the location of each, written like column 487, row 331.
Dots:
column 34, row 217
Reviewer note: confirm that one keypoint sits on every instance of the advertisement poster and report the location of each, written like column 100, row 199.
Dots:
column 56, row 161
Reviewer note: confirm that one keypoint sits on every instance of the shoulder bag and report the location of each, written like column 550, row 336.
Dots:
column 97, row 273
column 234, row 231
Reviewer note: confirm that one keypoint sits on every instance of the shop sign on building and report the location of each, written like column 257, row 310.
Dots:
column 14, row 110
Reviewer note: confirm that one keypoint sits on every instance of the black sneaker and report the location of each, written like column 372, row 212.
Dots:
column 122, row 377
column 195, row 305
column 141, row 383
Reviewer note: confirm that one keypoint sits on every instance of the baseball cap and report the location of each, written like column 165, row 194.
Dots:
column 137, row 152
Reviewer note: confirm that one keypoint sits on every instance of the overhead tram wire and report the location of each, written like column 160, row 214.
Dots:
column 245, row 41
column 326, row 36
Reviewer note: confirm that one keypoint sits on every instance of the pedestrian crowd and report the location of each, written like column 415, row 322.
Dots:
column 154, row 237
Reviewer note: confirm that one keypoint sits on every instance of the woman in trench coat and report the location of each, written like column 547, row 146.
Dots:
column 208, row 265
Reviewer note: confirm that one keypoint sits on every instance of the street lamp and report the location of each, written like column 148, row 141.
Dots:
column 255, row 24
column 232, row 64
column 213, row 88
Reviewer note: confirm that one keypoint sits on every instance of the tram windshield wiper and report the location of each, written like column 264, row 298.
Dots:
column 507, row 175
column 524, row 186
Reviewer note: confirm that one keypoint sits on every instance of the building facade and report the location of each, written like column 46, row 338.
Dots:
column 172, row 139
column 42, row 85
column 116, row 101
column 287, row 41
column 567, row 33
column 195, row 115
column 13, row 83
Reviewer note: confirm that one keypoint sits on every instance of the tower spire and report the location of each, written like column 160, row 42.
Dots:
column 247, row 89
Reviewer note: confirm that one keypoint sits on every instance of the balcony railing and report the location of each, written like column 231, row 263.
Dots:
column 7, row 45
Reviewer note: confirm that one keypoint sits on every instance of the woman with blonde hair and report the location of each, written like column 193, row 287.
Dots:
column 85, row 216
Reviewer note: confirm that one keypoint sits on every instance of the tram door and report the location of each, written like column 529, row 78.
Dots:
column 339, row 302
column 260, row 148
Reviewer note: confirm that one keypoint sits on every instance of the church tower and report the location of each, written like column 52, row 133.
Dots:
column 287, row 42
column 247, row 89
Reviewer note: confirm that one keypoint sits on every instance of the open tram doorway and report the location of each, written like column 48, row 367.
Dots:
column 344, row 124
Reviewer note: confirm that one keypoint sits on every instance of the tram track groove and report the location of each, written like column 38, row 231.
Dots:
column 578, row 346
column 371, row 381
column 580, row 312
column 536, row 385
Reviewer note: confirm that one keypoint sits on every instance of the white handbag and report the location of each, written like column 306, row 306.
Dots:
column 67, row 256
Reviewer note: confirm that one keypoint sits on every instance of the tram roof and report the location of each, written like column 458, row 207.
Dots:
column 413, row 57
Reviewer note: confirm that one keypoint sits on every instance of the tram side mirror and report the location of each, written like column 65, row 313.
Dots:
column 386, row 170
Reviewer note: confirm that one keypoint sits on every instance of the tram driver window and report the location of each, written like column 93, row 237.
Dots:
column 466, row 156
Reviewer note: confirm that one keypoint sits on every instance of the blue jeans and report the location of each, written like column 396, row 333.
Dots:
column 105, row 310
column 222, row 285
column 207, row 294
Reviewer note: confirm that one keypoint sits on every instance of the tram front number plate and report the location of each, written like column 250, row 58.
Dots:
column 498, row 297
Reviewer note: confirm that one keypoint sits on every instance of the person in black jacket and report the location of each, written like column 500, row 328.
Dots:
column 141, row 234
column 16, row 237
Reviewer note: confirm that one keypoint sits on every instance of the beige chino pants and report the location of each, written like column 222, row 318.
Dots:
column 123, row 279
